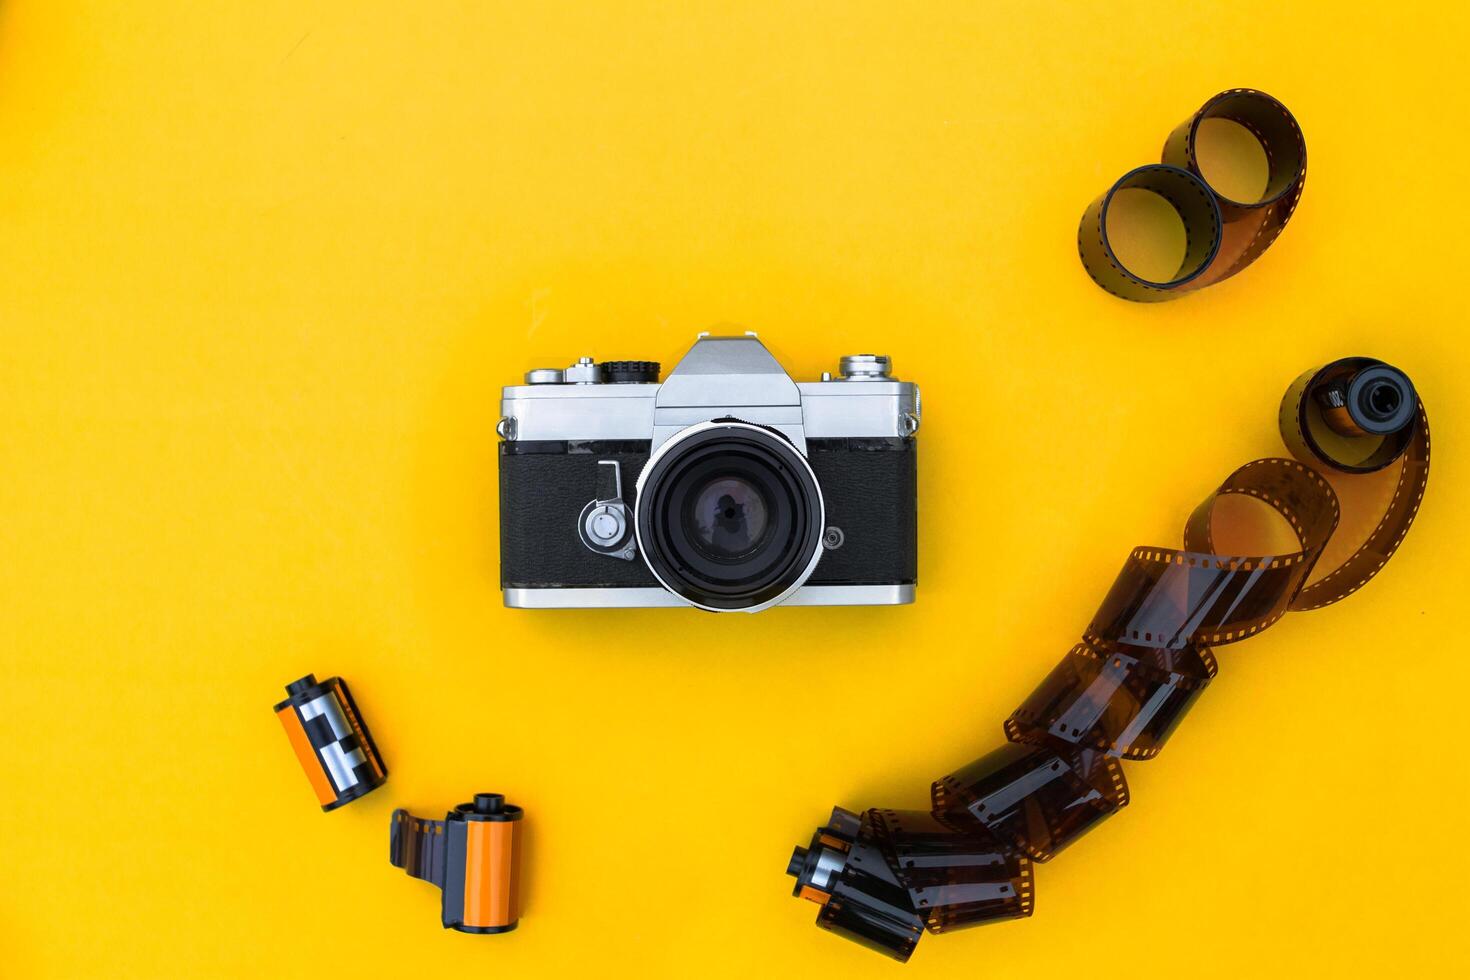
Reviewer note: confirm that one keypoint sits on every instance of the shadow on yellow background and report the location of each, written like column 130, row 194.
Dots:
column 266, row 266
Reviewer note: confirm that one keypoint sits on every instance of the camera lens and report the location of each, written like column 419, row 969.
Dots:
column 729, row 516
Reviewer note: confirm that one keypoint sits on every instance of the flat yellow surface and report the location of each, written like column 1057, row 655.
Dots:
column 265, row 266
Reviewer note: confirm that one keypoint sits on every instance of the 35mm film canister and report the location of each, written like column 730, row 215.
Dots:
column 1222, row 235
column 331, row 741
column 473, row 855
column 844, row 871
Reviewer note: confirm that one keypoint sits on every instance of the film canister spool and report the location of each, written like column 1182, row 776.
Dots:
column 331, row 741
column 472, row 855
column 1222, row 235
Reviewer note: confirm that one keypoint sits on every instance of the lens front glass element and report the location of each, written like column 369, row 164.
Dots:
column 729, row 516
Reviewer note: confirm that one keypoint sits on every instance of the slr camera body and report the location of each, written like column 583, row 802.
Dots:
column 728, row 487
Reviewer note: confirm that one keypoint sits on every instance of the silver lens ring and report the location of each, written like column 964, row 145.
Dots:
column 785, row 542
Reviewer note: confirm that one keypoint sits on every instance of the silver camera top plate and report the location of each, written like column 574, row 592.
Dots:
column 720, row 376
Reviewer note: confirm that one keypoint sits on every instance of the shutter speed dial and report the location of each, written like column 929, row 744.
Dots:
column 589, row 372
column 630, row 372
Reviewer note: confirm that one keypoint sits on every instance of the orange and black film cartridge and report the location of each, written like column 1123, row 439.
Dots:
column 473, row 854
column 331, row 742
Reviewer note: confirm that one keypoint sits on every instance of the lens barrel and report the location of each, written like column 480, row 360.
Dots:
column 730, row 516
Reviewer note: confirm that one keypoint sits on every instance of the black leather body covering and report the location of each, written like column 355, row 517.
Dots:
column 868, row 487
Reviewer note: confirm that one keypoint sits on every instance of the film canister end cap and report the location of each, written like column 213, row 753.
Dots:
column 797, row 862
column 815, row 865
column 1380, row 399
column 302, row 685
column 487, row 806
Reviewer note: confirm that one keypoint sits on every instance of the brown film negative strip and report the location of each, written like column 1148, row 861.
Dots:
column 1037, row 796
column 954, row 876
column 1118, row 694
column 1126, row 704
column 1222, row 235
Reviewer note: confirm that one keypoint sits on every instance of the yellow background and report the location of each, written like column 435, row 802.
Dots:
column 265, row 266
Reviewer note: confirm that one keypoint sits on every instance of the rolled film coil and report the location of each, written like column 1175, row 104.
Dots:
column 331, row 741
column 472, row 855
column 1111, row 697
column 1143, row 660
column 1038, row 798
column 955, row 876
column 844, row 870
column 1191, row 199
column 883, row 877
column 1222, row 235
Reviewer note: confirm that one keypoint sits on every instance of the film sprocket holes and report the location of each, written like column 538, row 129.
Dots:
column 728, row 487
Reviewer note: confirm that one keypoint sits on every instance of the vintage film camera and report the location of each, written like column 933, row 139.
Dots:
column 729, row 487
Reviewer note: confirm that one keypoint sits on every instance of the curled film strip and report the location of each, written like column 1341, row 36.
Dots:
column 473, row 855
column 883, row 877
column 331, row 741
column 1222, row 236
